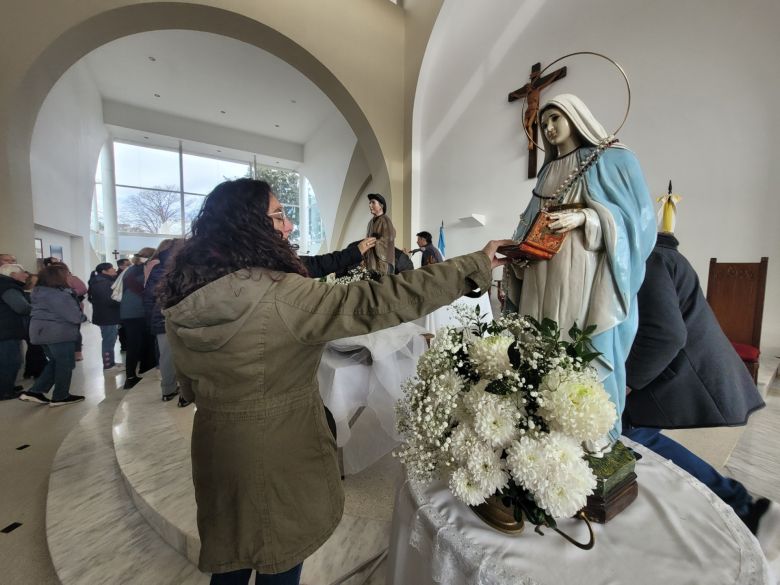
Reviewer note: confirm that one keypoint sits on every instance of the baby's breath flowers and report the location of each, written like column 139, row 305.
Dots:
column 503, row 409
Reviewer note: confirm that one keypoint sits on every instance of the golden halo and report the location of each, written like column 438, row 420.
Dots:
column 558, row 60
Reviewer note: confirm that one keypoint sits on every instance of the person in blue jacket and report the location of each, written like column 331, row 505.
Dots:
column 54, row 324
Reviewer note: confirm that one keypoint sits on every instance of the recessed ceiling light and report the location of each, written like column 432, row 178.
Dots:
column 222, row 111
column 157, row 95
column 152, row 58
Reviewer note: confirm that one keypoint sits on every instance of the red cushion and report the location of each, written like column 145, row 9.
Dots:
column 747, row 353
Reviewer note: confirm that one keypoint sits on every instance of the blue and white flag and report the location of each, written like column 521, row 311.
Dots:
column 441, row 245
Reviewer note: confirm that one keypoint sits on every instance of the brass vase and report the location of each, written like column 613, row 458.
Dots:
column 495, row 514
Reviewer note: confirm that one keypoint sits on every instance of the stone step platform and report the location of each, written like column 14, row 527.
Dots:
column 94, row 531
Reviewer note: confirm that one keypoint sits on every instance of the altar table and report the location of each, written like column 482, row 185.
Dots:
column 676, row 532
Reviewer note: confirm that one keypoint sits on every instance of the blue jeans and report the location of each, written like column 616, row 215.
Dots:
column 108, row 333
column 729, row 490
column 10, row 362
column 242, row 576
column 167, row 369
column 59, row 370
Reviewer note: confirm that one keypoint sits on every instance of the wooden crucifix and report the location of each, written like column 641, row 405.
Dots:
column 531, row 91
column 116, row 254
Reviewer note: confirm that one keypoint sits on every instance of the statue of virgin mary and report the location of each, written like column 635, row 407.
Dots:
column 595, row 276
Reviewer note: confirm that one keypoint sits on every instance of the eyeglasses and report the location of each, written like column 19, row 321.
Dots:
column 280, row 215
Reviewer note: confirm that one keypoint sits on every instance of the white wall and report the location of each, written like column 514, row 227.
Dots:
column 326, row 158
column 704, row 83
column 52, row 238
column 66, row 142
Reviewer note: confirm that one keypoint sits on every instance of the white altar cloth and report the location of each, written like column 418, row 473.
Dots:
column 360, row 382
column 676, row 532
column 445, row 316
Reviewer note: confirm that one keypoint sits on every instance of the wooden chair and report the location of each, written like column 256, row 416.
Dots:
column 735, row 291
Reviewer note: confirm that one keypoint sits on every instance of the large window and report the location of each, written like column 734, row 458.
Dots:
column 159, row 192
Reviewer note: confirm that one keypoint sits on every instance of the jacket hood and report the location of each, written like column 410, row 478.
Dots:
column 210, row 317
column 47, row 292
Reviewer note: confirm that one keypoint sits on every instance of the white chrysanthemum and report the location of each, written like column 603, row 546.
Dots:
column 496, row 424
column 576, row 404
column 552, row 468
column 447, row 387
column 488, row 466
column 468, row 488
column 463, row 441
column 490, row 355
column 476, row 398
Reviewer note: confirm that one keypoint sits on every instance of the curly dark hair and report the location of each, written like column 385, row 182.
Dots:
column 232, row 231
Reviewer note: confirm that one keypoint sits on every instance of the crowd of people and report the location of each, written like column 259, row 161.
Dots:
column 44, row 312
column 237, row 322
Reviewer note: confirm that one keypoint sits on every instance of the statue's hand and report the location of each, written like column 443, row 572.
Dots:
column 564, row 221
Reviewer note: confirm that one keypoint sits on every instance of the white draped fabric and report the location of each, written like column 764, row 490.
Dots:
column 360, row 382
column 676, row 532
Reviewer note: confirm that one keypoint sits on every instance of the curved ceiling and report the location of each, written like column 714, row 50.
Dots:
column 213, row 79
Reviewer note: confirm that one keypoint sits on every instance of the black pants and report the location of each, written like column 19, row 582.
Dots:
column 242, row 576
column 122, row 338
column 141, row 349
column 34, row 361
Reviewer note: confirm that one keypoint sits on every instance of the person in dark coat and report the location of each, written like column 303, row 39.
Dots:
column 430, row 253
column 14, row 309
column 105, row 310
column 402, row 261
column 141, row 349
column 338, row 261
column 156, row 321
column 682, row 372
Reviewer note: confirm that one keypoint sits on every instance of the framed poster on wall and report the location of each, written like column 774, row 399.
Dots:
column 55, row 251
column 38, row 248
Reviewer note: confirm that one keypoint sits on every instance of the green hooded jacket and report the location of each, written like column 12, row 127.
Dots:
column 248, row 346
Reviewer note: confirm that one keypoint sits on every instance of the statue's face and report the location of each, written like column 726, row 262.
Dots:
column 555, row 126
column 375, row 207
column 560, row 133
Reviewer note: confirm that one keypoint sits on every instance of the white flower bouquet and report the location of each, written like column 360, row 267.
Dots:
column 503, row 409
column 357, row 274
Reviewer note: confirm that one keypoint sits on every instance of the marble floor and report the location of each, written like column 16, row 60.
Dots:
column 30, row 437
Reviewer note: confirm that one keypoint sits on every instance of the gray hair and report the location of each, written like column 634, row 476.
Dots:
column 9, row 269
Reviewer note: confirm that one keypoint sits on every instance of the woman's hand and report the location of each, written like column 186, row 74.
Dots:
column 366, row 244
column 564, row 221
column 490, row 249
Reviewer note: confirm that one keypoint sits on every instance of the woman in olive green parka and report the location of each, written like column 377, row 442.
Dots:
column 247, row 330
